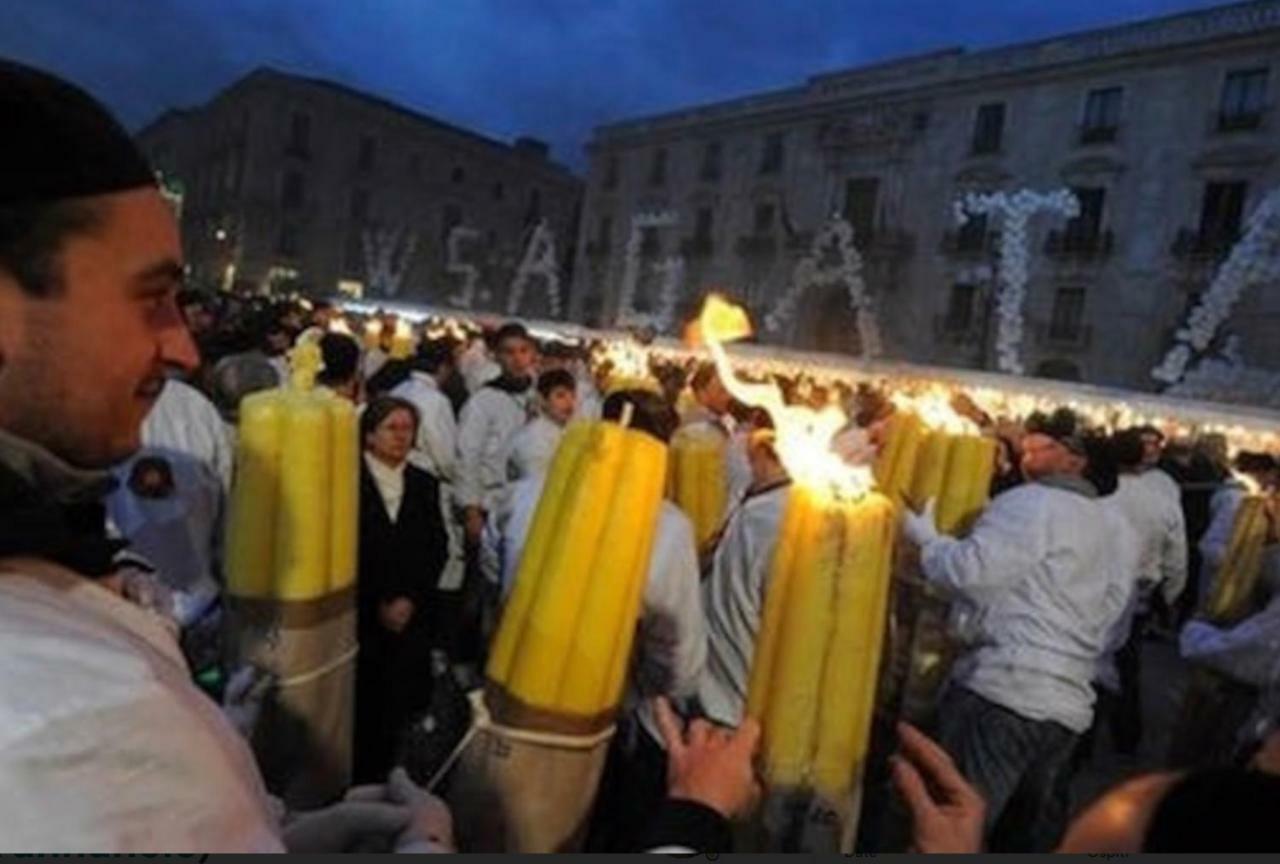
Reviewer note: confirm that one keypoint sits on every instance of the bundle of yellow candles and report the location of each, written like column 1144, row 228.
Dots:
column 1232, row 595
column 817, row 655
column 372, row 334
column 697, row 481
column 291, row 530
column 920, row 461
column 814, row 673
column 564, row 642
column 403, row 341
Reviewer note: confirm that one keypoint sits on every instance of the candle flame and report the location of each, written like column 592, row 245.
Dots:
column 803, row 434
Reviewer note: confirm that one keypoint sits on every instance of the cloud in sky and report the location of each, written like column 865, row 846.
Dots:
column 550, row 68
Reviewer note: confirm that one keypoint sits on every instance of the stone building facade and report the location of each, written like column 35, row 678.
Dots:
column 304, row 182
column 1167, row 130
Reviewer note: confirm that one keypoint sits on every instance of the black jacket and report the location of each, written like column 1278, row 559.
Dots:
column 402, row 558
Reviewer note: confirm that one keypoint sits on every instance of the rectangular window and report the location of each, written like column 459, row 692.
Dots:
column 450, row 218
column 658, row 167
column 287, row 244
column 359, row 205
column 1221, row 213
column 368, row 150
column 773, row 155
column 766, row 214
column 604, row 233
column 649, row 244
column 299, row 134
column 1101, row 115
column 293, row 190
column 960, row 308
column 353, row 254
column 972, row 236
column 988, row 128
column 1085, row 229
column 1244, row 96
column 712, row 157
column 533, row 211
column 703, row 225
column 611, row 173
column 1068, row 313
column 861, row 199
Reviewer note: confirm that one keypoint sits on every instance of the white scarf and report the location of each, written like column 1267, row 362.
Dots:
column 390, row 483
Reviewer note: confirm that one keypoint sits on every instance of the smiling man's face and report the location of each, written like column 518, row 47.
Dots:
column 81, row 367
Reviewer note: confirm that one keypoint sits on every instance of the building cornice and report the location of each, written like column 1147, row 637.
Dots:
column 951, row 69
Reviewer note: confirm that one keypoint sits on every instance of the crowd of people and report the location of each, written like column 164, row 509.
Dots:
column 119, row 393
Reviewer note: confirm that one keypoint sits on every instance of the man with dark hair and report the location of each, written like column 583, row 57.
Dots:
column 536, row 442
column 1042, row 577
column 105, row 744
column 488, row 424
column 341, row 371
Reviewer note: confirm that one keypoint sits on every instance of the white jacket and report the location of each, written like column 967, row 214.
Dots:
column 435, row 448
column 1047, row 572
column 184, row 419
column 1152, row 503
column 534, row 447
column 105, row 744
column 488, row 425
column 733, row 596
column 672, row 640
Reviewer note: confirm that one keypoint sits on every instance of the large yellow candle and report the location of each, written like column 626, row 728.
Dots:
column 303, row 523
column 793, row 534
column 548, row 519
column 294, row 505
column 791, row 720
column 403, row 342
column 543, row 650
column 567, row 631
column 817, row 657
column 851, row 674
column 1237, row 578
column 251, row 518
column 345, row 510
column 931, row 467
column 601, row 631
column 699, row 485
column 968, row 482
column 896, row 465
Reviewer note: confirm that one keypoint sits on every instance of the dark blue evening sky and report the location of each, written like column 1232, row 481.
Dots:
column 551, row 68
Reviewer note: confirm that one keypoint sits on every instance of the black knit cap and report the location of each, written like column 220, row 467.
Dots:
column 60, row 142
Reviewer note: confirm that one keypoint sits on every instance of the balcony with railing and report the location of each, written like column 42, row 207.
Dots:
column 970, row 244
column 889, row 243
column 697, row 246
column 1063, row 334
column 1079, row 245
column 756, row 246
column 953, row 330
column 1230, row 122
column 1092, row 136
